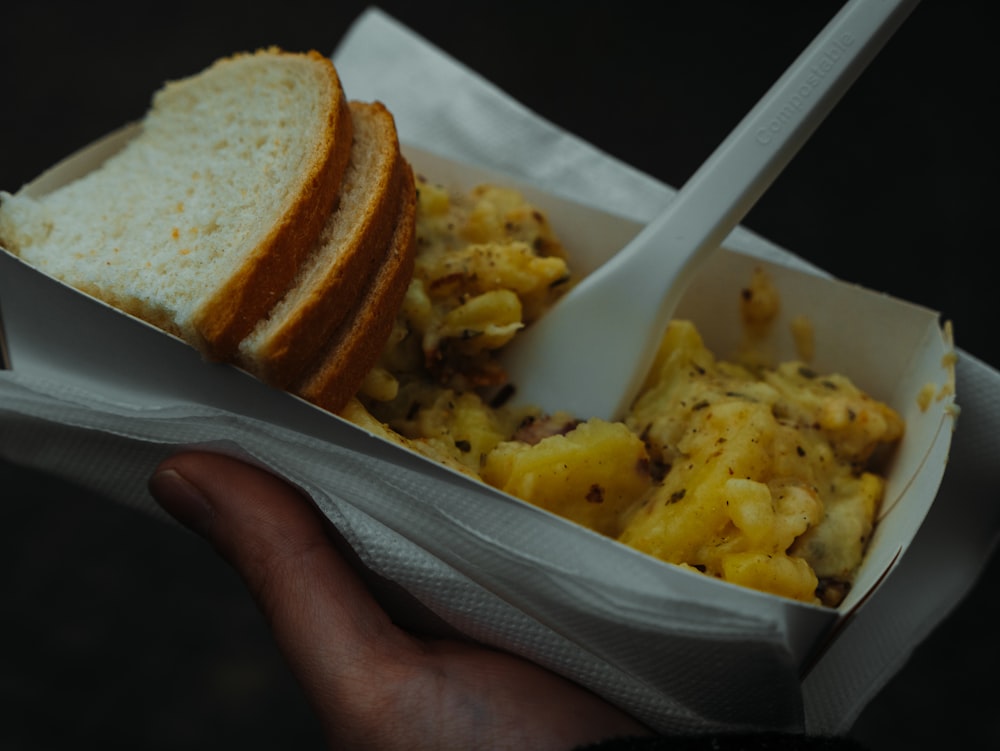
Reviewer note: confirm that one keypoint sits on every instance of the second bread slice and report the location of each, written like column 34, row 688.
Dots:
column 352, row 244
column 355, row 347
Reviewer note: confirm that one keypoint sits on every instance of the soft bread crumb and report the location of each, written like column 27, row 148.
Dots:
column 230, row 164
column 351, row 246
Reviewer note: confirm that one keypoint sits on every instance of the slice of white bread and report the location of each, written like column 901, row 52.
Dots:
column 355, row 347
column 203, row 221
column 352, row 245
column 258, row 215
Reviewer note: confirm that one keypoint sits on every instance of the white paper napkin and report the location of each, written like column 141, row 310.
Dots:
column 70, row 407
column 486, row 127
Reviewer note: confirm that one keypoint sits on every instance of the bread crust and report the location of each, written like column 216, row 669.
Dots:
column 232, row 311
column 355, row 347
column 278, row 351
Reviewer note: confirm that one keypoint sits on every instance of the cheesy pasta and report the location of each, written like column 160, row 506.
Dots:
column 760, row 476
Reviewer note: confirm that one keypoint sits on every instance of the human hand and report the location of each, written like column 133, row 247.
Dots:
column 372, row 684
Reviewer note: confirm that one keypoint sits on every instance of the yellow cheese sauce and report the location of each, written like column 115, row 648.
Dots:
column 762, row 476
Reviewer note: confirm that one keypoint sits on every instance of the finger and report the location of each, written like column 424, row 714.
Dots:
column 323, row 618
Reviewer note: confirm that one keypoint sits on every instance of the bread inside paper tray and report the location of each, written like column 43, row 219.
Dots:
column 551, row 569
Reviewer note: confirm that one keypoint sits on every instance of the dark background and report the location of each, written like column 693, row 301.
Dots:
column 119, row 630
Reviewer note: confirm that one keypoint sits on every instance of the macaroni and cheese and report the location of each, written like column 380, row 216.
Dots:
column 762, row 476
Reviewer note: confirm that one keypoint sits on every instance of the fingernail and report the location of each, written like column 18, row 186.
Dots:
column 182, row 500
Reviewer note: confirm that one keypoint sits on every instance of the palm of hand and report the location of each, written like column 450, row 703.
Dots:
column 372, row 684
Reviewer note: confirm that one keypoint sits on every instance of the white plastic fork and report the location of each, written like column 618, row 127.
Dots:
column 590, row 352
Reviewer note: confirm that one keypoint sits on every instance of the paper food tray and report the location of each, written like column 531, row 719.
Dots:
column 677, row 633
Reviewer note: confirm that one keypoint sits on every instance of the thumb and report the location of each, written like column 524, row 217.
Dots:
column 322, row 616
